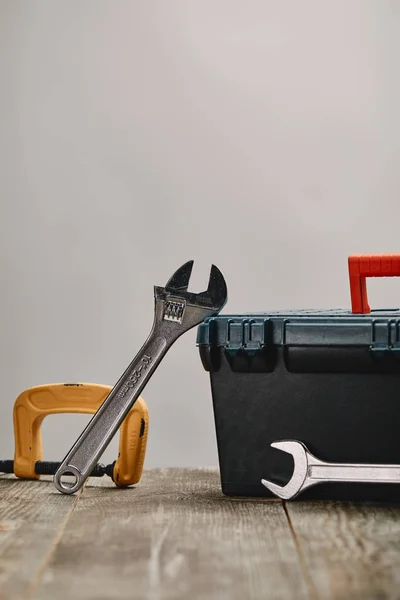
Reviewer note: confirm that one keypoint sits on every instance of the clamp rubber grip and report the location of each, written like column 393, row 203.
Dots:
column 34, row 404
column 362, row 266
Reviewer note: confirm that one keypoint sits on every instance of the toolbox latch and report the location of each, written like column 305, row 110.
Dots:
column 248, row 347
column 385, row 342
column 395, row 335
column 235, row 338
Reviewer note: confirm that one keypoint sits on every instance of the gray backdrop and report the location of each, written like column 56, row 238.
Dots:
column 262, row 136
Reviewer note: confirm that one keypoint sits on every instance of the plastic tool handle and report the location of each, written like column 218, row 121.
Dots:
column 34, row 404
column 362, row 266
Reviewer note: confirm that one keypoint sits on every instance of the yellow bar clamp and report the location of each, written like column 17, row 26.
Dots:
column 34, row 404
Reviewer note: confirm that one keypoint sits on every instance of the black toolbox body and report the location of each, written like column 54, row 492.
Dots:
column 329, row 379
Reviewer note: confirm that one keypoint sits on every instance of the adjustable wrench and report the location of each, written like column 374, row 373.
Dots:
column 309, row 471
column 176, row 311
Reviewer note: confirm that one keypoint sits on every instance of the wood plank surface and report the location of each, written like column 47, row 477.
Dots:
column 32, row 517
column 175, row 536
column 348, row 550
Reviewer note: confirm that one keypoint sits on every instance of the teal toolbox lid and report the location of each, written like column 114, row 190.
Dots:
column 312, row 341
column 377, row 329
column 312, row 338
column 303, row 327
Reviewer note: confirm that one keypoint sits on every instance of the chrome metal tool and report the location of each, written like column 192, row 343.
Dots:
column 176, row 311
column 309, row 471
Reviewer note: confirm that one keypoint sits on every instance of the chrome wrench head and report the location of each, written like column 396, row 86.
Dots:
column 186, row 309
column 310, row 470
column 299, row 480
column 215, row 296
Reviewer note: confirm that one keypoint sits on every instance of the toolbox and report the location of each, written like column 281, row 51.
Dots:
column 329, row 378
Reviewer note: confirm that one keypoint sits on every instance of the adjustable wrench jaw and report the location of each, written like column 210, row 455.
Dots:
column 177, row 310
column 215, row 296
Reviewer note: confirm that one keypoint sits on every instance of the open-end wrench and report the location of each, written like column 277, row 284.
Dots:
column 176, row 311
column 309, row 471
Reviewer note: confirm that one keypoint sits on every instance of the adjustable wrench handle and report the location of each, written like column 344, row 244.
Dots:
column 95, row 438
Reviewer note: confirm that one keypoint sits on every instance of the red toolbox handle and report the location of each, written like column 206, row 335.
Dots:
column 369, row 265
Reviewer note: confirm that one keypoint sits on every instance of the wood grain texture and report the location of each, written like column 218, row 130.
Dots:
column 348, row 550
column 175, row 536
column 32, row 517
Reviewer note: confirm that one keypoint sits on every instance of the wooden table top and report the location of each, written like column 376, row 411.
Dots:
column 176, row 536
